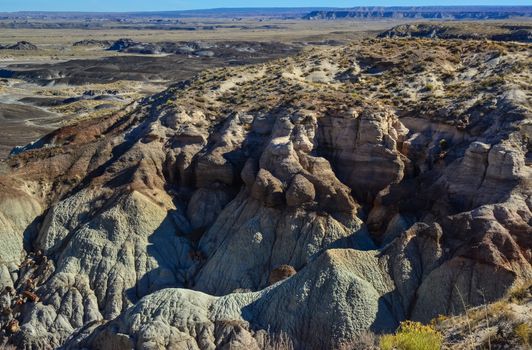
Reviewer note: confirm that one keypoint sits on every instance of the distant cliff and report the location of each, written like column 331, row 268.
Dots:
column 455, row 12
column 450, row 30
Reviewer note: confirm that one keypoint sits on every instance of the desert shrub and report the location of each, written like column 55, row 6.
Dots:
column 412, row 336
column 280, row 273
column 523, row 332
column 439, row 319
column 443, row 144
column 520, row 293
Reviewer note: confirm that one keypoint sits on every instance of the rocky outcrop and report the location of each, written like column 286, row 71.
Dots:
column 495, row 234
column 265, row 228
column 364, row 150
column 20, row 46
column 344, row 281
column 218, row 214
column 332, row 282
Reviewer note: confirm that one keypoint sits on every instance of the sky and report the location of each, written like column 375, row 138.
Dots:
column 163, row 5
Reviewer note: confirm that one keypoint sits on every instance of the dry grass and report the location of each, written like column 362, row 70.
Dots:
column 523, row 332
column 520, row 293
column 365, row 341
column 504, row 324
column 275, row 341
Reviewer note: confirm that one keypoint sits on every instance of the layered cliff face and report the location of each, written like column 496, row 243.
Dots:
column 385, row 180
column 477, row 31
column 426, row 12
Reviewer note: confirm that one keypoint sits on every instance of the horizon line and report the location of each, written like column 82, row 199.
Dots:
column 269, row 8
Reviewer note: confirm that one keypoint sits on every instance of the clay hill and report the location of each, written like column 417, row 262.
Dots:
column 312, row 198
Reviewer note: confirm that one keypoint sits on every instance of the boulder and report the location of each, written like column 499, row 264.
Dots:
column 300, row 191
column 280, row 273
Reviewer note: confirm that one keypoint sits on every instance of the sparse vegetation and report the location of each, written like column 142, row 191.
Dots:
column 412, row 336
column 503, row 324
column 523, row 332
column 275, row 341
column 521, row 293
column 365, row 341
column 443, row 144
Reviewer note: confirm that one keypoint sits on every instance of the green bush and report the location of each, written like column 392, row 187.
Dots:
column 443, row 144
column 412, row 336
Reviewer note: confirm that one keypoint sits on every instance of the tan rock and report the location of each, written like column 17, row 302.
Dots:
column 268, row 189
column 280, row 273
column 300, row 191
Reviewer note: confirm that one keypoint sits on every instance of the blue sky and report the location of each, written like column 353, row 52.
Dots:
column 158, row 5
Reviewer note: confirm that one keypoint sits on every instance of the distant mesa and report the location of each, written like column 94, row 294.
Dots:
column 479, row 31
column 21, row 45
column 450, row 12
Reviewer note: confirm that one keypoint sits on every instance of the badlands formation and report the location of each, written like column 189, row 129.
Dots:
column 310, row 199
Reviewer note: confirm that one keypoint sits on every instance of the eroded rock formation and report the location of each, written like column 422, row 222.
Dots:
column 312, row 198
